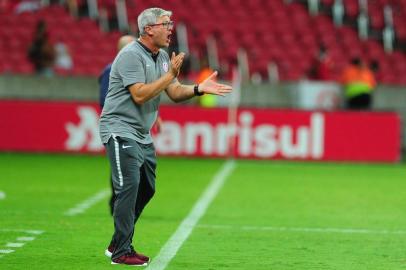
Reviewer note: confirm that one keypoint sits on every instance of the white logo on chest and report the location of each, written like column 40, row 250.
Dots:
column 165, row 66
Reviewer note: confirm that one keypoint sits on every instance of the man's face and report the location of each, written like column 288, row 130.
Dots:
column 162, row 32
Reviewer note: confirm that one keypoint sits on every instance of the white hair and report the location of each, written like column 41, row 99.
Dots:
column 150, row 16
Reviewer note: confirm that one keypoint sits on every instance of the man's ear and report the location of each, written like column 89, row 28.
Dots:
column 148, row 30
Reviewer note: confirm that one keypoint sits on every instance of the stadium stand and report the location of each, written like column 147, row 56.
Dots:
column 269, row 31
column 91, row 49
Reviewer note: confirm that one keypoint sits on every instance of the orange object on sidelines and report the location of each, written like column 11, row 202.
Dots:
column 203, row 74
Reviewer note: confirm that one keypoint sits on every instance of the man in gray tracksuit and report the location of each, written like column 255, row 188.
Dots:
column 140, row 73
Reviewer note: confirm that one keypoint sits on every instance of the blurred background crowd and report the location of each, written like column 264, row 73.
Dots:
column 283, row 40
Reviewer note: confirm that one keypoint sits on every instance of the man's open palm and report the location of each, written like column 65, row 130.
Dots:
column 210, row 86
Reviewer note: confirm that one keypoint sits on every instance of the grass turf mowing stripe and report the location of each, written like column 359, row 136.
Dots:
column 172, row 246
column 83, row 206
column 301, row 229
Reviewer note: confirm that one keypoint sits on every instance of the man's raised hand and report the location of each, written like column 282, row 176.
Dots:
column 209, row 86
column 176, row 63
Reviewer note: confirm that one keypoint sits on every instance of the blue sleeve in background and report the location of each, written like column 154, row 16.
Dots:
column 104, row 84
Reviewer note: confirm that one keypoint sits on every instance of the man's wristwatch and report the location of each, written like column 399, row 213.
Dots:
column 196, row 90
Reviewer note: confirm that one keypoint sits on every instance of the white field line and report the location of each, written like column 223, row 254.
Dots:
column 2, row 195
column 21, row 240
column 86, row 204
column 303, row 229
column 6, row 251
column 36, row 232
column 171, row 247
column 15, row 244
column 25, row 238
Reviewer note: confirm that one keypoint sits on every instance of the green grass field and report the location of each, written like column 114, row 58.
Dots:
column 268, row 215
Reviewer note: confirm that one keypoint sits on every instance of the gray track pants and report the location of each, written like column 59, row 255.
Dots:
column 133, row 174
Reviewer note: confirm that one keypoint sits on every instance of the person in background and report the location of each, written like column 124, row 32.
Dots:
column 72, row 6
column 41, row 52
column 207, row 101
column 322, row 66
column 358, row 82
column 63, row 58
column 103, row 88
column 104, row 76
